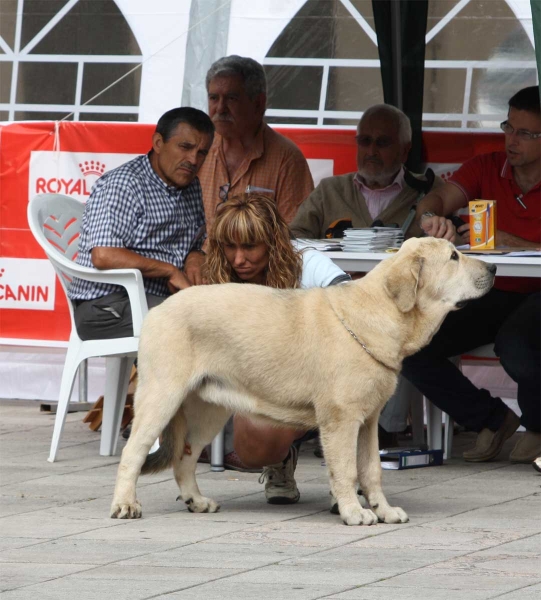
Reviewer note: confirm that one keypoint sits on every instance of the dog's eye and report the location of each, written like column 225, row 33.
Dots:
column 454, row 256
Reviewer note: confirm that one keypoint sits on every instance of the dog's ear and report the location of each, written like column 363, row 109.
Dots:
column 403, row 282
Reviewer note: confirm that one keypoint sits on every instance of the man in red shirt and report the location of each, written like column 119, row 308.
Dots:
column 510, row 315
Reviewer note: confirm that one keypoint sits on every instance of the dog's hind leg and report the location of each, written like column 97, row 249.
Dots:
column 204, row 421
column 339, row 440
column 151, row 417
column 369, row 473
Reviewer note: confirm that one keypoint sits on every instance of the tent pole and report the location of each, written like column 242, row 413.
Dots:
column 396, row 41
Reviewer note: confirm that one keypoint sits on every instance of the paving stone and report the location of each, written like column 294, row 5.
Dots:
column 371, row 592
column 230, row 590
column 17, row 575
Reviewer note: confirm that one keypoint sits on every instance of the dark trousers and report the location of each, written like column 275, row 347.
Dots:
column 107, row 317
column 509, row 320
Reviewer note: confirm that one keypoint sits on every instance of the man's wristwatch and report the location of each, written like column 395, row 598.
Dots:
column 427, row 214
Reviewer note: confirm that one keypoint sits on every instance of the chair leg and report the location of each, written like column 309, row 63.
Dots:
column 448, row 437
column 66, row 386
column 117, row 379
column 416, row 411
column 433, row 422
column 217, row 452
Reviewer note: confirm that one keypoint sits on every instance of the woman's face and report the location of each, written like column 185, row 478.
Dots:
column 249, row 261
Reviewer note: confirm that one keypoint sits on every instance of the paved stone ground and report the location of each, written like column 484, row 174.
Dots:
column 474, row 533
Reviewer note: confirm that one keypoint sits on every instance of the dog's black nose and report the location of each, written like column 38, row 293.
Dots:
column 492, row 268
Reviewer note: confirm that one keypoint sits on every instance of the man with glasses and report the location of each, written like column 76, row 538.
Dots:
column 509, row 316
column 248, row 155
column 382, row 191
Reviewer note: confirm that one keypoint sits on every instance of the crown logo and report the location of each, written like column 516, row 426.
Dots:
column 92, row 167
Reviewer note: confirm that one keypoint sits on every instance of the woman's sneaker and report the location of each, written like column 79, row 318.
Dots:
column 280, row 484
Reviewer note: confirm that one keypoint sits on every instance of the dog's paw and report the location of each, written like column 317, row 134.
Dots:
column 202, row 505
column 392, row 514
column 124, row 510
column 356, row 515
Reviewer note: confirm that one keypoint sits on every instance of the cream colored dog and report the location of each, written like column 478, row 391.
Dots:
column 324, row 358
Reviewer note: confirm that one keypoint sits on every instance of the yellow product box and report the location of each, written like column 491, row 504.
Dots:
column 482, row 214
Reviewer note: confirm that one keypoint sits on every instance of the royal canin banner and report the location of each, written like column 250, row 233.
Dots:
column 68, row 158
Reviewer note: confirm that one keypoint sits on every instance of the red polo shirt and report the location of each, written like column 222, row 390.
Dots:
column 490, row 177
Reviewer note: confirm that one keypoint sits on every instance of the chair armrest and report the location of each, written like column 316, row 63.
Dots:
column 130, row 279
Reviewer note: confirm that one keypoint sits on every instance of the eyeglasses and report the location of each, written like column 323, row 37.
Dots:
column 224, row 191
column 522, row 134
column 383, row 141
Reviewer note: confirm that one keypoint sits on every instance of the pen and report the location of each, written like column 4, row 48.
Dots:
column 253, row 188
column 519, row 200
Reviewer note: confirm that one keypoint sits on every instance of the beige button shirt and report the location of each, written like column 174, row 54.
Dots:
column 274, row 163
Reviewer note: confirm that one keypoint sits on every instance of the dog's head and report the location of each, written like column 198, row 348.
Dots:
column 429, row 270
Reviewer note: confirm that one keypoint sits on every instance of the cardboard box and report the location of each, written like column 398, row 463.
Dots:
column 482, row 215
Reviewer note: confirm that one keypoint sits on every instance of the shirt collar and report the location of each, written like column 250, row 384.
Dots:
column 507, row 170
column 259, row 145
column 151, row 174
column 507, row 173
column 398, row 181
column 257, row 149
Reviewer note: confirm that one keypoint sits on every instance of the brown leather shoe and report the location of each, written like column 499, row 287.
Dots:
column 231, row 462
column 527, row 449
column 489, row 443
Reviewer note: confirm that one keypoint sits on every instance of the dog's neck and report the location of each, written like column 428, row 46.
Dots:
column 411, row 331
column 424, row 322
column 395, row 368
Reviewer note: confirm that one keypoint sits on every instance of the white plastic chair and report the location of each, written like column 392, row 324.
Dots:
column 55, row 222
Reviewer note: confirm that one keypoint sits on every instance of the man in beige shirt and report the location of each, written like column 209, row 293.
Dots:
column 246, row 152
column 381, row 189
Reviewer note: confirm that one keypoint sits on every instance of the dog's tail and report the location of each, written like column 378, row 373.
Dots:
column 172, row 445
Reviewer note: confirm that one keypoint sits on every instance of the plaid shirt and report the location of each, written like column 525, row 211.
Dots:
column 131, row 207
column 274, row 162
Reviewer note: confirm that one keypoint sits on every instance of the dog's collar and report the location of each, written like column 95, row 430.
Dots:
column 362, row 344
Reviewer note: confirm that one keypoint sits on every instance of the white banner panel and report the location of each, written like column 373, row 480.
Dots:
column 27, row 283
column 70, row 173
column 320, row 168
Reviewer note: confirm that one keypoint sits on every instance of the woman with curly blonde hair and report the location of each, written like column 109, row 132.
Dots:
column 250, row 243
column 251, row 224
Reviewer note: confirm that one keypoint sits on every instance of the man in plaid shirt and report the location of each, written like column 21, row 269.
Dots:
column 146, row 214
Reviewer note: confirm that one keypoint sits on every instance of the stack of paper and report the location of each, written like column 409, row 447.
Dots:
column 321, row 245
column 372, row 239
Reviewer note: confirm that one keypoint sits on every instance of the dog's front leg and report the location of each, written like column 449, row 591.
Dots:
column 369, row 473
column 339, row 440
